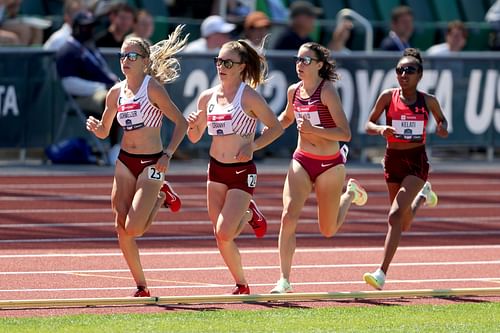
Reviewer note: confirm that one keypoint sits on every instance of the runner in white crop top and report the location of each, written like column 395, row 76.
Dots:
column 230, row 118
column 137, row 111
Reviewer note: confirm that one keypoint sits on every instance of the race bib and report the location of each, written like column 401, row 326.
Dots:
column 220, row 124
column 154, row 174
column 409, row 127
column 309, row 112
column 252, row 180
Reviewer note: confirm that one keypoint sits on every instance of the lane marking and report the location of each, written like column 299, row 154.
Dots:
column 254, row 285
column 257, row 268
column 466, row 233
column 474, row 248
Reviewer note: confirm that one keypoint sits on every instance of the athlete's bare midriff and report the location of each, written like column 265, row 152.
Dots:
column 146, row 140
column 224, row 148
column 316, row 145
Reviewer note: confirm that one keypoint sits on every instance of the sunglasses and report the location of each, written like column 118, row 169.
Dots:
column 406, row 69
column 227, row 63
column 132, row 56
column 304, row 60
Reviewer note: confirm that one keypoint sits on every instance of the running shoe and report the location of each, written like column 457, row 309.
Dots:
column 142, row 292
column 258, row 221
column 431, row 198
column 282, row 287
column 172, row 199
column 375, row 279
column 360, row 195
column 241, row 289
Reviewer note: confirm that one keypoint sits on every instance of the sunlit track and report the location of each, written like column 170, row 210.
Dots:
column 58, row 241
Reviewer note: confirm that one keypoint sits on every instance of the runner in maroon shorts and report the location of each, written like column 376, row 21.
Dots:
column 318, row 161
column 405, row 162
column 140, row 103
column 230, row 112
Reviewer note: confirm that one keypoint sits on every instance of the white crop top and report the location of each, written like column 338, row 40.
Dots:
column 230, row 118
column 137, row 111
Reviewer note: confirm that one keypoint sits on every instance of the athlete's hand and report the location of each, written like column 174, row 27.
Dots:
column 387, row 131
column 163, row 164
column 442, row 130
column 93, row 124
column 245, row 153
column 304, row 126
column 193, row 118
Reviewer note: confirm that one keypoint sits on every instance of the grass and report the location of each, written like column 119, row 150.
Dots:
column 464, row 317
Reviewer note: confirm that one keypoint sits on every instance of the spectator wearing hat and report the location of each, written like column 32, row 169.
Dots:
column 303, row 16
column 256, row 28
column 84, row 72
column 215, row 31
column 59, row 37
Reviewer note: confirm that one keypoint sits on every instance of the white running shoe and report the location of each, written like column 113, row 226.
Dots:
column 360, row 195
column 431, row 198
column 344, row 151
column 375, row 279
column 282, row 287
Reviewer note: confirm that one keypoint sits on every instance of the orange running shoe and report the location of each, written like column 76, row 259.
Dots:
column 172, row 199
column 142, row 292
column 258, row 221
column 241, row 289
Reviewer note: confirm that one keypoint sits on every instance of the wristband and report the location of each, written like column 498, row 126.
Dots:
column 167, row 154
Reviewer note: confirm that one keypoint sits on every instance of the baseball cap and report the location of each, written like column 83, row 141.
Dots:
column 215, row 24
column 257, row 19
column 304, row 8
column 83, row 17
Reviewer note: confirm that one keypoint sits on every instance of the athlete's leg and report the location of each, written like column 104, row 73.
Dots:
column 297, row 188
column 332, row 203
column 228, row 211
column 401, row 214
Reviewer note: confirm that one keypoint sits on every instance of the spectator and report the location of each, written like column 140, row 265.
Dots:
column 215, row 32
column 59, row 37
column 83, row 71
column 340, row 36
column 17, row 31
column 493, row 17
column 256, row 28
column 121, row 18
column 303, row 20
column 143, row 25
column 456, row 37
column 401, row 30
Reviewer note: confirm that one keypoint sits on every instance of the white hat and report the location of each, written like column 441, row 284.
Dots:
column 214, row 24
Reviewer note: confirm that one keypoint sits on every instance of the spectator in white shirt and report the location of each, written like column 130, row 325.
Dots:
column 456, row 38
column 59, row 37
column 215, row 32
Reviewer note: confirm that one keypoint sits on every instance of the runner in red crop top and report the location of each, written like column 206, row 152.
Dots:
column 318, row 162
column 405, row 162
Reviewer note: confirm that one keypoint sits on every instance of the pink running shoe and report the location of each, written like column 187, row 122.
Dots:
column 258, row 221
column 142, row 292
column 172, row 199
column 241, row 289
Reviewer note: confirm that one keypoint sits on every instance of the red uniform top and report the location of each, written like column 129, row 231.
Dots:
column 311, row 108
column 408, row 120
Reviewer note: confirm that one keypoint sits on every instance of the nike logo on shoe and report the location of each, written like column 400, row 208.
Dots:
column 240, row 171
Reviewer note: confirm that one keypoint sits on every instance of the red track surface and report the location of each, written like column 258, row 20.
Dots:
column 57, row 241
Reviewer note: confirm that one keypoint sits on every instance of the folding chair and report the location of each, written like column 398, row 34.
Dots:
column 71, row 107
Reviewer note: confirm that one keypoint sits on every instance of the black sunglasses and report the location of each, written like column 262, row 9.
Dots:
column 406, row 69
column 227, row 63
column 304, row 60
column 132, row 56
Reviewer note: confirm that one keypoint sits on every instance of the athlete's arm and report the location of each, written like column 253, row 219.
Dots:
column 442, row 124
column 286, row 118
column 197, row 120
column 101, row 128
column 382, row 103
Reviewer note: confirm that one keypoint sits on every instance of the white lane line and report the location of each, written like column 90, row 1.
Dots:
column 204, row 286
column 474, row 248
column 376, row 220
column 248, row 236
column 259, row 268
column 308, row 208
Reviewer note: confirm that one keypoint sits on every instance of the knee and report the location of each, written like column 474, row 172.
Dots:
column 396, row 218
column 223, row 235
column 289, row 221
column 328, row 231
